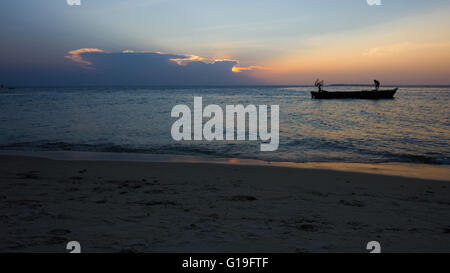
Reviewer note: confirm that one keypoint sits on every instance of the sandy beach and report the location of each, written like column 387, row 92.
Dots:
column 197, row 207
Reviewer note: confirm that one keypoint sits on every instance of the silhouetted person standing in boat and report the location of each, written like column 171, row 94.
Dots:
column 319, row 84
column 377, row 85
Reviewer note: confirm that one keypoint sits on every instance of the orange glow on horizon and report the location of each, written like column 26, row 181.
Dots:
column 400, row 62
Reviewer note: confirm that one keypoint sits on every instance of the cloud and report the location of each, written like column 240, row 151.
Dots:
column 76, row 55
column 187, row 59
column 156, row 68
column 94, row 66
column 239, row 69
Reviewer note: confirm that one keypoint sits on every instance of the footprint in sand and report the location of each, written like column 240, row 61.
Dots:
column 243, row 198
column 353, row 203
column 28, row 175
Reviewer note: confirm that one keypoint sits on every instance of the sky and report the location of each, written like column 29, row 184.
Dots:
column 231, row 42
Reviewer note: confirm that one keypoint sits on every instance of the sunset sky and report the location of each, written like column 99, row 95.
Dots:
column 47, row 42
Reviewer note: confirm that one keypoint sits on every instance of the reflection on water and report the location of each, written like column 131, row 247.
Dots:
column 414, row 127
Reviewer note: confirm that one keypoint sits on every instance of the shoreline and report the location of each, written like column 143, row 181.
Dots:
column 117, row 206
column 408, row 170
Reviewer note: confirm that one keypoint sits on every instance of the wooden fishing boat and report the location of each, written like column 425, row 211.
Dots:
column 365, row 94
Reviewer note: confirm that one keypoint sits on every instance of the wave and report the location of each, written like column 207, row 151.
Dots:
column 232, row 150
column 107, row 147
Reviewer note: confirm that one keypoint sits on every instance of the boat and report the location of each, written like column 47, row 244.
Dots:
column 364, row 94
column 2, row 87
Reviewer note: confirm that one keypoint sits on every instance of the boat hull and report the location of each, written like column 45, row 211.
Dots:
column 373, row 95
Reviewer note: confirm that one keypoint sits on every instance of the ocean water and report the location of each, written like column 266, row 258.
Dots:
column 414, row 127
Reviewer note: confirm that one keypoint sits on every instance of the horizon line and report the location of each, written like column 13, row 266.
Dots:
column 220, row 85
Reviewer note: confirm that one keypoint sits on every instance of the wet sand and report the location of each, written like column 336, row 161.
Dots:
column 112, row 206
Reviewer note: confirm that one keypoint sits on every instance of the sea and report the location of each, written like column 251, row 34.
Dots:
column 412, row 128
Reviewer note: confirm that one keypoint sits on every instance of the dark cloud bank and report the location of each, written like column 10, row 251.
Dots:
column 126, row 69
